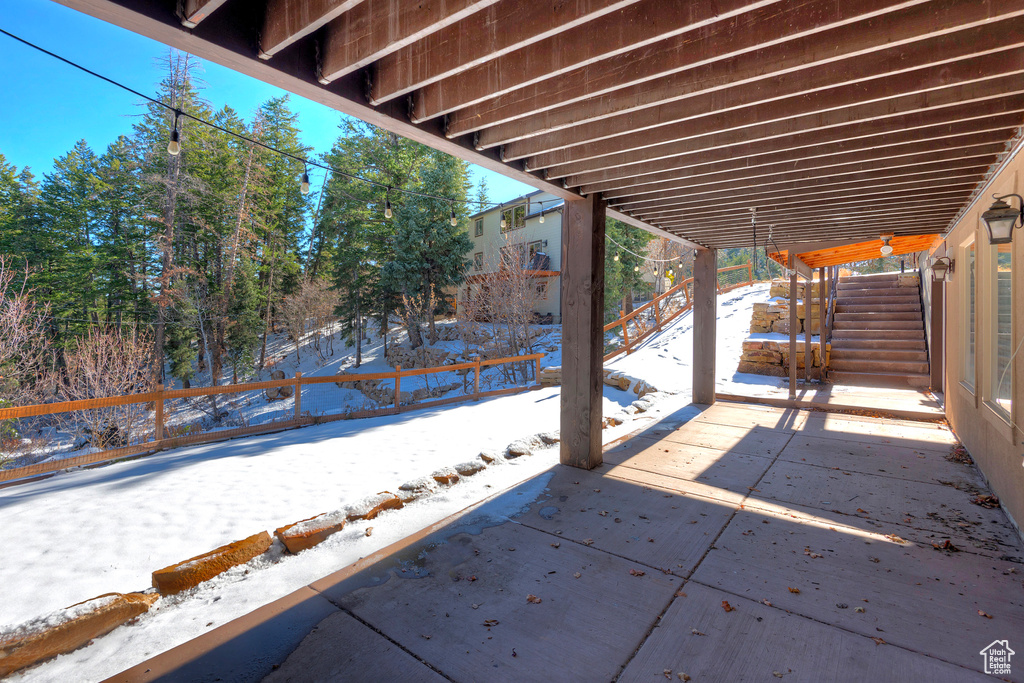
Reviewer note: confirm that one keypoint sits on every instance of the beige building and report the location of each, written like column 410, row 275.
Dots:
column 526, row 231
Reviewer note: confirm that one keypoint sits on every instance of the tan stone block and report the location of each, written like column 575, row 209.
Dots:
column 310, row 532
column 469, row 468
column 22, row 650
column 750, row 345
column 192, row 572
column 370, row 507
column 446, row 476
column 761, row 369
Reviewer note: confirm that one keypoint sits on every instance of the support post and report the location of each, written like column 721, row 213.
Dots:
column 793, row 322
column 476, row 380
column 398, row 388
column 158, row 413
column 583, row 229
column 808, row 353
column 822, row 303
column 705, row 288
column 298, row 394
column 936, row 347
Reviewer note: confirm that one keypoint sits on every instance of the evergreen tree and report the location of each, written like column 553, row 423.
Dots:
column 243, row 330
column 623, row 268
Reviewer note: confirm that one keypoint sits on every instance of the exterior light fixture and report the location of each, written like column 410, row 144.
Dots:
column 886, row 247
column 504, row 223
column 941, row 268
column 174, row 146
column 636, row 269
column 1001, row 219
column 304, row 184
column 454, row 220
column 616, row 257
column 388, row 213
column 542, row 215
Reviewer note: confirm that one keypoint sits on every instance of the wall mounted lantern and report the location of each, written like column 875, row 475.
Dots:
column 941, row 268
column 1001, row 219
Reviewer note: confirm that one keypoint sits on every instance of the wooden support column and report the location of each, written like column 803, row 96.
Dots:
column 822, row 303
column 705, row 289
column 808, row 309
column 937, row 347
column 793, row 322
column 583, row 229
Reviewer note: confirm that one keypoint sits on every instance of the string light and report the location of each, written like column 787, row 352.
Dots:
column 174, row 146
column 454, row 221
column 504, row 223
column 616, row 257
column 542, row 216
column 387, row 204
column 636, row 269
column 304, row 184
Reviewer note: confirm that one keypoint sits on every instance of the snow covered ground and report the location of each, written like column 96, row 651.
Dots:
column 87, row 532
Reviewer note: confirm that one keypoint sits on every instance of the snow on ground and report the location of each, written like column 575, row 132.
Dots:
column 87, row 532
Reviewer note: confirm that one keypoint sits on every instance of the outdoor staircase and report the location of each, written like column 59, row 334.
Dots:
column 878, row 333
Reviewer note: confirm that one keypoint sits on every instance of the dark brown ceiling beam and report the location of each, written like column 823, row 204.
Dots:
column 500, row 29
column 799, row 26
column 789, row 118
column 876, row 182
column 822, row 197
column 741, row 222
column 765, row 139
column 798, row 148
column 837, row 201
column 770, row 164
column 377, row 28
column 868, row 172
column 660, row 124
column 631, row 28
column 194, row 11
column 288, row 21
column 752, row 89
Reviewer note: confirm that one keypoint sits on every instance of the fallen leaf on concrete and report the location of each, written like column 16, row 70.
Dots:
column 946, row 545
column 588, row 541
column 794, row 590
column 727, row 607
column 984, row 614
column 777, row 674
column 636, row 572
column 556, row 545
column 472, row 578
column 369, row 531
column 603, row 513
column 986, row 501
column 896, row 539
column 862, row 511
column 577, row 575
column 475, row 606
column 874, row 559
column 680, row 594
column 682, row 676
column 858, row 609
column 667, row 673
column 491, row 622
column 766, row 602
column 696, row 632
column 879, row 641
column 533, row 599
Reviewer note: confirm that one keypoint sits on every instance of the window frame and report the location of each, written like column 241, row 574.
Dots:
column 969, row 350
column 478, row 227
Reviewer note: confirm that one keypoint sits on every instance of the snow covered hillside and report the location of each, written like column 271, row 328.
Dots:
column 88, row 532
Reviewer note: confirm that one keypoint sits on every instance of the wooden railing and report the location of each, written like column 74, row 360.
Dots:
column 662, row 313
column 300, row 418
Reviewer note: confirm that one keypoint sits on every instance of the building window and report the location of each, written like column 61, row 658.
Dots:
column 513, row 256
column 515, row 218
column 478, row 260
column 542, row 291
column 970, row 284
column 478, row 228
column 1002, row 322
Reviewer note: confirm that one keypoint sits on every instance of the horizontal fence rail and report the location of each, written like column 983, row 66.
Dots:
column 158, row 434
column 650, row 318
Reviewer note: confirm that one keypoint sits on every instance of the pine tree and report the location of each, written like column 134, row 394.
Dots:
column 243, row 331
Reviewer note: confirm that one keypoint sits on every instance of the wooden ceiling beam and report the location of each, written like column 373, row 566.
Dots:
column 824, row 230
column 770, row 164
column 376, row 28
column 715, row 82
column 776, row 137
column 288, row 21
column 565, row 47
column 837, row 201
column 690, row 117
column 800, row 193
column 731, row 242
column 194, row 11
column 502, row 28
column 799, row 27
column 876, row 176
column 801, row 147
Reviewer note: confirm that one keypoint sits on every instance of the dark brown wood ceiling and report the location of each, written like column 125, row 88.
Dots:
column 835, row 120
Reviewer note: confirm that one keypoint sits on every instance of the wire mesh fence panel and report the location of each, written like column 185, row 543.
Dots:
column 225, row 411
column 733, row 276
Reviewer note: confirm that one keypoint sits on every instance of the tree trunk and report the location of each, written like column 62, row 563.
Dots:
column 359, row 331
column 266, row 325
column 627, row 302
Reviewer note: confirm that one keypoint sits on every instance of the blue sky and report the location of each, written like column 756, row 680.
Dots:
column 46, row 106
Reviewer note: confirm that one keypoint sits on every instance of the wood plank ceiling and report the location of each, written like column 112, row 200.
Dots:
column 835, row 120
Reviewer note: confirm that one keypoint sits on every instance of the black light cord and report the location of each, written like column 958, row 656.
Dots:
column 303, row 160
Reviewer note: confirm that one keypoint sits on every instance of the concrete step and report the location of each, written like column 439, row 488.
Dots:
column 873, row 277
column 867, row 284
column 879, row 325
column 880, row 379
column 847, row 292
column 887, row 366
column 839, row 335
column 915, row 344
column 879, row 301
column 878, row 355
column 878, row 308
column 879, row 316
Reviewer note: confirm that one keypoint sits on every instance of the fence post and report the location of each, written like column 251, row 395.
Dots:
column 476, row 380
column 625, row 336
column 158, row 414
column 398, row 388
column 686, row 291
column 536, row 372
column 657, row 312
column 298, row 394
column 750, row 274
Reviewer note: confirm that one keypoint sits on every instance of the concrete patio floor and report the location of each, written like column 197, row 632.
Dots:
column 746, row 544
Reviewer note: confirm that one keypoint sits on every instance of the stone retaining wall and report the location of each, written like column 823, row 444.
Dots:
column 772, row 358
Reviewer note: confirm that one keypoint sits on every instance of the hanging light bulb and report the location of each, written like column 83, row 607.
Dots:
column 616, row 256
column 455, row 221
column 542, row 215
column 636, row 269
column 504, row 223
column 387, row 204
column 304, row 184
column 670, row 271
column 174, row 146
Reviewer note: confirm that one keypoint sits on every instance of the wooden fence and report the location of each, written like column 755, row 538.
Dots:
column 160, row 441
column 663, row 312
